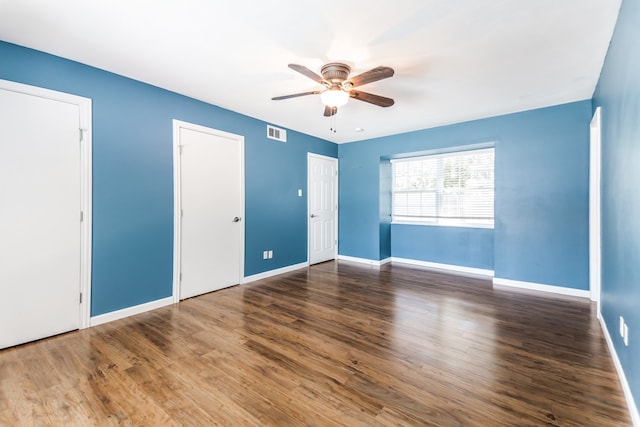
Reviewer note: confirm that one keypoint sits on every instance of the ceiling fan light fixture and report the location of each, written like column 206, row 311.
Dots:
column 334, row 97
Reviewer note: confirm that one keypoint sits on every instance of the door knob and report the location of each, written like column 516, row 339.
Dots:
column 313, row 215
column 236, row 219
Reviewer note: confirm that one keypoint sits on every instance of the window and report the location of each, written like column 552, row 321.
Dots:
column 445, row 189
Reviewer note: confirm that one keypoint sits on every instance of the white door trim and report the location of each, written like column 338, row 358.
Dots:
column 333, row 159
column 595, row 172
column 177, row 197
column 84, row 106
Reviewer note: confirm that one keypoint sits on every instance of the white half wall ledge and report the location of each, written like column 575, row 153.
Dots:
column 631, row 403
column 130, row 311
column 580, row 293
column 275, row 272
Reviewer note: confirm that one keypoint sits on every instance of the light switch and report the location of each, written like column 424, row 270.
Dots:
column 299, row 192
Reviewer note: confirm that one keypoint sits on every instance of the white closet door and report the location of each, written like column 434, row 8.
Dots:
column 211, row 188
column 39, row 217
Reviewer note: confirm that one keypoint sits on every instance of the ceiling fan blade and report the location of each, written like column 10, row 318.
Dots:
column 306, row 72
column 295, row 95
column 330, row 111
column 373, row 75
column 371, row 98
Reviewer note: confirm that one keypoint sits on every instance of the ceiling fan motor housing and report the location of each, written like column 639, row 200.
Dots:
column 335, row 72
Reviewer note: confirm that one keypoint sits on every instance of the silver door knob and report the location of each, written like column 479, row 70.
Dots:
column 313, row 215
column 236, row 219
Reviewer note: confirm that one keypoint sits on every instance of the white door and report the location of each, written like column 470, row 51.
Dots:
column 594, row 209
column 211, row 205
column 40, row 225
column 323, row 208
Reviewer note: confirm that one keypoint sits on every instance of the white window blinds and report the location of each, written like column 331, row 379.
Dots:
column 445, row 189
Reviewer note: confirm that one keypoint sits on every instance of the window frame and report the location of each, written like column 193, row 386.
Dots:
column 440, row 221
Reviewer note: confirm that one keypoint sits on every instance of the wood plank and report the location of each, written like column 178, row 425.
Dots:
column 334, row 344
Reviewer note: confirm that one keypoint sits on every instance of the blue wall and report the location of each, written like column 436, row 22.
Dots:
column 471, row 247
column 618, row 93
column 541, row 200
column 133, row 177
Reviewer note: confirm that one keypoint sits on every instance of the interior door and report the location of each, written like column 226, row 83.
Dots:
column 211, row 209
column 323, row 208
column 40, row 192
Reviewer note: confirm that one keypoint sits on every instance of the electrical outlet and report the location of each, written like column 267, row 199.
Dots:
column 265, row 255
column 270, row 254
column 622, row 326
column 626, row 335
column 300, row 192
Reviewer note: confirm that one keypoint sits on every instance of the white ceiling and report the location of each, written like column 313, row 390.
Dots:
column 454, row 60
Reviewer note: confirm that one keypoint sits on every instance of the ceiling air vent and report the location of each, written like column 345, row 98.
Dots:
column 276, row 133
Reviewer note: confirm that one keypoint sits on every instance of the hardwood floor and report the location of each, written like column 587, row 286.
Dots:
column 335, row 344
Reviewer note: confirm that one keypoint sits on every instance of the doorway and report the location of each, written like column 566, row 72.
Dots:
column 45, row 220
column 209, row 209
column 595, row 244
column 323, row 208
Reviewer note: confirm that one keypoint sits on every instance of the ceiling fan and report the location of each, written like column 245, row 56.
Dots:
column 338, row 87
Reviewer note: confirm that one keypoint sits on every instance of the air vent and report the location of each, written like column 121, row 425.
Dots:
column 276, row 133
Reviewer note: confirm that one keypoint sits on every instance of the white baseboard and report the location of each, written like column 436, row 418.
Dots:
column 137, row 309
column 275, row 272
column 371, row 262
column 129, row 311
column 633, row 409
column 457, row 269
column 540, row 287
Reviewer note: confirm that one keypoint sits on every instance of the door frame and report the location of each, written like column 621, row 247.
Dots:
column 85, row 214
column 333, row 159
column 595, row 204
column 177, row 198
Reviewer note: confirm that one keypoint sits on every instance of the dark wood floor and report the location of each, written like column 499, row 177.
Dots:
column 335, row 344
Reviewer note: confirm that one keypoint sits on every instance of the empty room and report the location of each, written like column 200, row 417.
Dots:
column 305, row 213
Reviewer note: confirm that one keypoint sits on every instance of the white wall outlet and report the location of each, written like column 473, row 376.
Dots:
column 626, row 335
column 621, row 326
column 265, row 255
column 299, row 192
column 270, row 254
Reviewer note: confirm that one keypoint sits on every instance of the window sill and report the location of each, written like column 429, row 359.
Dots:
column 428, row 224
